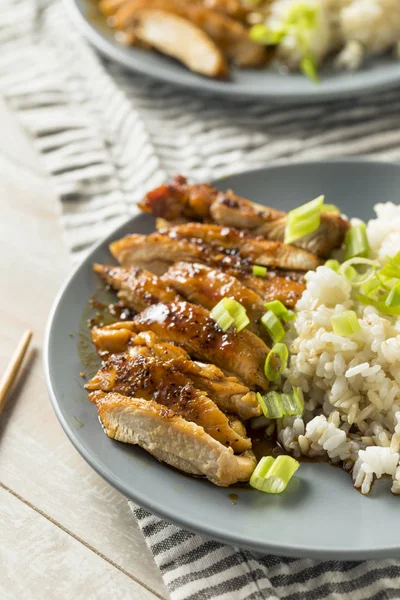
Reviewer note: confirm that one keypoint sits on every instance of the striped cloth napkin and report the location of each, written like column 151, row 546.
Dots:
column 107, row 136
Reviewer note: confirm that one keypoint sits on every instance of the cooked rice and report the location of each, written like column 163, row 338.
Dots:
column 351, row 384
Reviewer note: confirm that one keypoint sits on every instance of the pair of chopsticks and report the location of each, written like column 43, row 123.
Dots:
column 13, row 368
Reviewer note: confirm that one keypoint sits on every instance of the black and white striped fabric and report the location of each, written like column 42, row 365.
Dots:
column 107, row 136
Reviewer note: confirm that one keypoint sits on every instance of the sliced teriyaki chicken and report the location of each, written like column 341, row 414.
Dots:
column 157, row 251
column 230, row 36
column 204, row 286
column 256, row 249
column 231, row 210
column 171, row 439
column 203, row 202
column 179, row 38
column 137, row 288
column 148, row 378
column 192, row 327
column 227, row 392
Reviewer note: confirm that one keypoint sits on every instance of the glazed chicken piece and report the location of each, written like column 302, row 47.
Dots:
column 203, row 202
column 204, row 286
column 231, row 210
column 170, row 438
column 240, row 353
column 256, row 249
column 137, row 288
column 148, row 378
column 157, row 251
column 227, row 392
column 230, row 36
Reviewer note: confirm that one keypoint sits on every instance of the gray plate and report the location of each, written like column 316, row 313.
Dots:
column 320, row 515
column 382, row 73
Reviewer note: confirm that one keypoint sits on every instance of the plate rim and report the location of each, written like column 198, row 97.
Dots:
column 214, row 87
column 296, row 550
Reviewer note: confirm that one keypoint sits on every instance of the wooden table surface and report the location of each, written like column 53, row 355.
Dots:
column 64, row 532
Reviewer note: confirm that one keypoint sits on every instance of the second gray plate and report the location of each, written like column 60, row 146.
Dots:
column 320, row 515
column 382, row 73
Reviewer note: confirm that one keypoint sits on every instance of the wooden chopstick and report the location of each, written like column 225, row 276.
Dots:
column 13, row 368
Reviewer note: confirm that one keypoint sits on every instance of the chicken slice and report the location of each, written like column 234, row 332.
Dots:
column 137, row 288
column 157, row 251
column 227, row 392
column 203, row 202
column 231, row 210
column 179, row 38
column 205, row 286
column 256, row 249
column 192, row 327
column 171, row 439
column 145, row 377
column 228, row 34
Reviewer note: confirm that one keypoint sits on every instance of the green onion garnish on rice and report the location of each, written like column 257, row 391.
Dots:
column 303, row 220
column 276, row 361
column 230, row 312
column 345, row 323
column 356, row 241
column 259, row 271
column 391, row 270
column 393, row 300
column 280, row 310
column 272, row 475
column 333, row 264
column 273, row 326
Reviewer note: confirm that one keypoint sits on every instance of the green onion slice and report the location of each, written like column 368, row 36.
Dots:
column 348, row 271
column 272, row 475
column 303, row 220
column 393, row 299
column 230, row 312
column 259, row 271
column 280, row 310
column 333, row 264
column 345, row 323
column 276, row 406
column 309, row 67
column 271, row 405
column 276, row 361
column 273, row 326
column 356, row 241
column 391, row 270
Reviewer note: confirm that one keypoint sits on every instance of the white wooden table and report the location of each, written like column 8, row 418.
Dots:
column 64, row 532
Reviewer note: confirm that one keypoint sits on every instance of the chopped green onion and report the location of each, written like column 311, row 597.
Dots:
column 259, row 271
column 261, row 34
column 356, row 241
column 308, row 65
column 391, row 270
column 345, row 323
column 276, row 361
column 230, row 312
column 276, row 406
column 280, row 310
column 371, row 286
column 298, row 398
column 393, row 299
column 333, row 264
column 272, row 475
column 271, row 405
column 393, row 311
column 222, row 316
column 331, row 208
column 303, row 220
column 348, row 271
column 273, row 326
